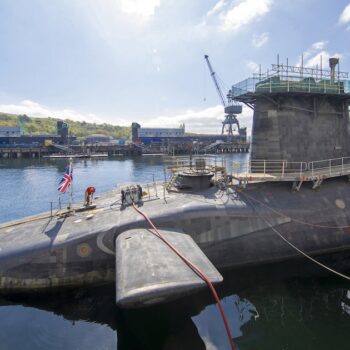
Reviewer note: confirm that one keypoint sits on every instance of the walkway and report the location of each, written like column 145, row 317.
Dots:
column 282, row 170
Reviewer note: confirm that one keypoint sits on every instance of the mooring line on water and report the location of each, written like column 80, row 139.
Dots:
column 194, row 268
column 306, row 255
column 297, row 249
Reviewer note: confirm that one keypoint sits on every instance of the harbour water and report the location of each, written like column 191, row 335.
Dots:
column 289, row 306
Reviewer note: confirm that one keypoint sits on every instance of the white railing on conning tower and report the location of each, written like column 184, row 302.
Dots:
column 330, row 167
column 283, row 170
column 279, row 168
column 278, row 84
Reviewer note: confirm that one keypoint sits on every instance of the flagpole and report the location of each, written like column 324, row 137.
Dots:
column 71, row 184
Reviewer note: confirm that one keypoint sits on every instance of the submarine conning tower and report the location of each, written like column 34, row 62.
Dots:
column 301, row 114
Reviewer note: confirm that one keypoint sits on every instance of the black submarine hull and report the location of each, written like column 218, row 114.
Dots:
column 233, row 227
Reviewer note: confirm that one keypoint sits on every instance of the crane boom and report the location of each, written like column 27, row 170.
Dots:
column 218, row 89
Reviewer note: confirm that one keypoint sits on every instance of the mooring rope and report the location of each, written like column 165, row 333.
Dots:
column 196, row 270
column 291, row 244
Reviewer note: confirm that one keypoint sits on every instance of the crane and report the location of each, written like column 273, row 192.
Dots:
column 231, row 108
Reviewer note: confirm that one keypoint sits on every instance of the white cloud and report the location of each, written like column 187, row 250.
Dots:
column 142, row 9
column 345, row 15
column 34, row 109
column 312, row 56
column 207, row 121
column 230, row 16
column 319, row 45
column 252, row 66
column 217, row 8
column 244, row 13
column 260, row 40
column 316, row 59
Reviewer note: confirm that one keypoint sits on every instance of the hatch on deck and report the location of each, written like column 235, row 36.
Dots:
column 149, row 272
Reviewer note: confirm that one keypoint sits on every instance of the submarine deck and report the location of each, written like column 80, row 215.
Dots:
column 52, row 231
column 79, row 247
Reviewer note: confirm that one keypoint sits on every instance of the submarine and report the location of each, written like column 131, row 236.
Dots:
column 291, row 201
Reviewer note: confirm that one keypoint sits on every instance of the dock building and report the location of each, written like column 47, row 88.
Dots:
column 176, row 141
column 13, row 136
column 10, row 131
column 155, row 135
column 99, row 139
column 15, row 144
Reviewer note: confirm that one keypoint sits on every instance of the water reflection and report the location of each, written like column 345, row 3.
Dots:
column 87, row 312
column 238, row 312
column 345, row 305
column 265, row 309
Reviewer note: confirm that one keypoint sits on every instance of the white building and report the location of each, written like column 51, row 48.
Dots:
column 13, row 131
column 161, row 132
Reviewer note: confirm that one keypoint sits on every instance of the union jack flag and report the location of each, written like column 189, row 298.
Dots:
column 66, row 180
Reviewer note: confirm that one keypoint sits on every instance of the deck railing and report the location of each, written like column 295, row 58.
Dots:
column 281, row 168
column 329, row 166
column 284, row 170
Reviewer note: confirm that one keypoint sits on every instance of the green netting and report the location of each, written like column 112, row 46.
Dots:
column 309, row 84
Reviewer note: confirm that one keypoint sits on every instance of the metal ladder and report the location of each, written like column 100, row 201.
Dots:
column 170, row 184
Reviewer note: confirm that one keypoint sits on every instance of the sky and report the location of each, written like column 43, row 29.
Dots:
column 120, row 61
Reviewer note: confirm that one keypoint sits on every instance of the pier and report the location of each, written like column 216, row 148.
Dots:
column 23, row 151
column 211, row 144
column 38, row 151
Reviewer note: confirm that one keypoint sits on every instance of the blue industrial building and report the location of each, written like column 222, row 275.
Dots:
column 12, row 136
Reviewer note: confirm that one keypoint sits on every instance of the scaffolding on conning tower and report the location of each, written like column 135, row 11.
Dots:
column 283, row 78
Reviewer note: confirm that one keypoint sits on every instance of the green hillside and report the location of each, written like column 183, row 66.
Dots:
column 48, row 126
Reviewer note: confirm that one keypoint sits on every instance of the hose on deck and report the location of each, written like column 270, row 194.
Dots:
column 196, row 270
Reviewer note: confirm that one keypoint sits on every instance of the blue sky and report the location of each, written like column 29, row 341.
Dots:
column 120, row 61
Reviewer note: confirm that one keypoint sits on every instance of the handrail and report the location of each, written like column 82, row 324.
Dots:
column 279, row 167
column 285, row 170
column 329, row 165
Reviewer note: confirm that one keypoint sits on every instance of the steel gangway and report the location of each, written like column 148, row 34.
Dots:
column 62, row 148
column 212, row 146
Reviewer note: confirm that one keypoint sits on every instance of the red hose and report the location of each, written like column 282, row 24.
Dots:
column 197, row 271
